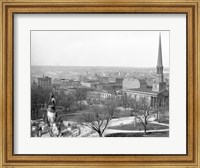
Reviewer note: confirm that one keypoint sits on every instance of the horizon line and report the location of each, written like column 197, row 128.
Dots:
column 95, row 66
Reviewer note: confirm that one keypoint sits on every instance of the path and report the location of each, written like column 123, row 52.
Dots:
column 128, row 120
column 111, row 131
column 155, row 122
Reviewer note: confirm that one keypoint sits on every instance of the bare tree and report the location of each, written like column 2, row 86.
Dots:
column 111, row 105
column 39, row 97
column 161, row 111
column 81, row 94
column 97, row 118
column 142, row 111
column 66, row 100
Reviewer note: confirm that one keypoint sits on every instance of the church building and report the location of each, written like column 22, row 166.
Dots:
column 157, row 94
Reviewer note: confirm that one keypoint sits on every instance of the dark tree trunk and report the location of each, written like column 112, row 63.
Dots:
column 145, row 125
column 37, row 113
column 67, row 108
column 80, row 105
column 157, row 115
column 145, row 129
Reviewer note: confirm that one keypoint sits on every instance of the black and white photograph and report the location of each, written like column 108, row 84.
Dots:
column 100, row 83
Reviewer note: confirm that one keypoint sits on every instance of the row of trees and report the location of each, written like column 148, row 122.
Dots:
column 39, row 98
column 70, row 99
column 98, row 116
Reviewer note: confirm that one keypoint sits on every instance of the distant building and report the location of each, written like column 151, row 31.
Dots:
column 34, row 82
column 156, row 92
column 76, row 83
column 86, row 84
column 70, row 91
column 44, row 81
column 95, row 96
column 103, row 79
column 119, row 81
column 130, row 83
column 112, row 79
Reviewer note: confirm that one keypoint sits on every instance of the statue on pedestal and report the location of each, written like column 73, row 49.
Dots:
column 54, row 122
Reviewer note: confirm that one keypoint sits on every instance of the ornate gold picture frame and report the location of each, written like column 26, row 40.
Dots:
column 11, row 7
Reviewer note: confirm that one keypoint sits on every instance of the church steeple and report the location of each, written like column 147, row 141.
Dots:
column 159, row 66
column 159, row 84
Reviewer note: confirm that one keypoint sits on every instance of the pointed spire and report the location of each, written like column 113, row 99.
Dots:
column 159, row 62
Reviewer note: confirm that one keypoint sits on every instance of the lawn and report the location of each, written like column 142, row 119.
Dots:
column 163, row 120
column 138, row 126
column 150, row 134
column 120, row 114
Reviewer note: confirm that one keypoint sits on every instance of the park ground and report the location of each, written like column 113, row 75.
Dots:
column 122, row 125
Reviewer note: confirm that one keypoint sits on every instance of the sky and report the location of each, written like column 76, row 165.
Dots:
column 98, row 48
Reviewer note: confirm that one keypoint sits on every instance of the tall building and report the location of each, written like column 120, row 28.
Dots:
column 45, row 81
column 157, row 95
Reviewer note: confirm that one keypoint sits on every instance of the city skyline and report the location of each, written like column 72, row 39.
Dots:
column 102, row 101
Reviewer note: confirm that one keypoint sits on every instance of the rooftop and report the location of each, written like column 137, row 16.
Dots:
column 148, row 90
